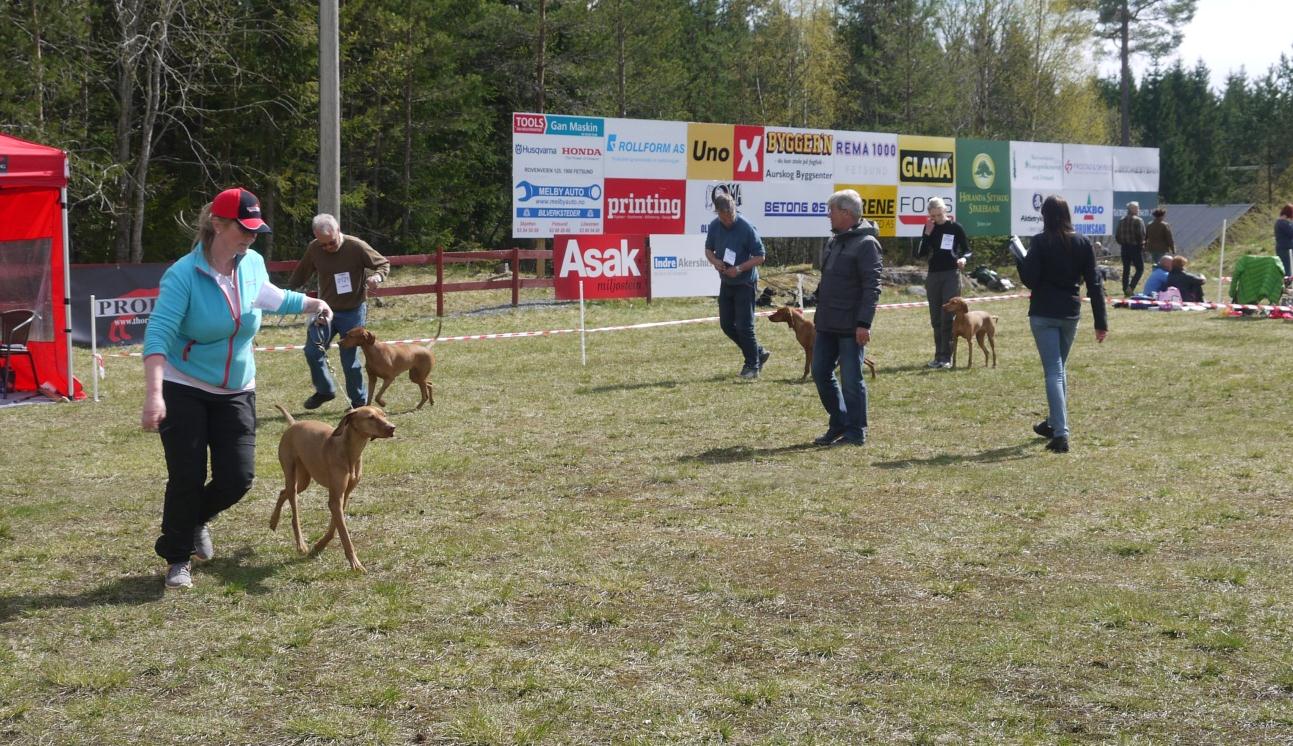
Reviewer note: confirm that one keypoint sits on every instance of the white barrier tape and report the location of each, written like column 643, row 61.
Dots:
column 554, row 332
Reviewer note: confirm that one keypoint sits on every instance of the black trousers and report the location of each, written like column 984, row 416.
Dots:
column 1132, row 256
column 197, row 422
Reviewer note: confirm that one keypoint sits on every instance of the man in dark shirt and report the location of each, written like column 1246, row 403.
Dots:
column 734, row 249
column 348, row 269
column 1131, row 237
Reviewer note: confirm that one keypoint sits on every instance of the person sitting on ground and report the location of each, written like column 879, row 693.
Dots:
column 1158, row 278
column 1190, row 284
column 1158, row 236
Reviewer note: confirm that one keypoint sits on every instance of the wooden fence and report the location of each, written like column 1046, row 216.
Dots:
column 441, row 257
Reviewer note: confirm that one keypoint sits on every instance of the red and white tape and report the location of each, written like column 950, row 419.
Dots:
column 555, row 332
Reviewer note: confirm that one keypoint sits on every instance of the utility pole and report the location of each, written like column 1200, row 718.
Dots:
column 329, row 109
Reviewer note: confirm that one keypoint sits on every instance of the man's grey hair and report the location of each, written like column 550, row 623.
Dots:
column 1166, row 259
column 723, row 202
column 325, row 224
column 847, row 200
column 935, row 202
column 1133, row 206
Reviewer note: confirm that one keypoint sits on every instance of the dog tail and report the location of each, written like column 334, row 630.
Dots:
column 286, row 414
column 438, row 327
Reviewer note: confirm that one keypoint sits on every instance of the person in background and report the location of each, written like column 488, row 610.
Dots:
column 945, row 244
column 1058, row 259
column 1190, row 284
column 1158, row 277
column 200, row 374
column 1131, row 237
column 1284, row 240
column 847, row 296
column 1158, row 236
column 734, row 249
column 348, row 270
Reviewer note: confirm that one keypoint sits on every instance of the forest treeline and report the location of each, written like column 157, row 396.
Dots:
column 163, row 102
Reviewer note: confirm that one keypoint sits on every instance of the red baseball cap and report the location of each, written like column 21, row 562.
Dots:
column 241, row 205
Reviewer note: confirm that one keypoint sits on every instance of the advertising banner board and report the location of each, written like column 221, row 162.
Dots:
column 983, row 187
column 609, row 266
column 679, row 268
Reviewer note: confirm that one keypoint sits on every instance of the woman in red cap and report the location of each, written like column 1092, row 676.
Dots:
column 200, row 375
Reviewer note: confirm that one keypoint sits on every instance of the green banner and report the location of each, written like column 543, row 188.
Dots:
column 983, row 187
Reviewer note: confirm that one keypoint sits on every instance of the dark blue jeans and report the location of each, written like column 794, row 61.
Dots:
column 317, row 339
column 736, row 317
column 198, row 422
column 843, row 398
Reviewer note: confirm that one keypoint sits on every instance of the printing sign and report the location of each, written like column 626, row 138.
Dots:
column 643, row 206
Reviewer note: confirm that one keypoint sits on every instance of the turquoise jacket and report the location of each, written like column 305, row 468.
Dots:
column 197, row 328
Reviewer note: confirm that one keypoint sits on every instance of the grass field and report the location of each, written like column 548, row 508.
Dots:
column 647, row 550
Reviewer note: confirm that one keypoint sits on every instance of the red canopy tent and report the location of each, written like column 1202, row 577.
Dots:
column 34, row 268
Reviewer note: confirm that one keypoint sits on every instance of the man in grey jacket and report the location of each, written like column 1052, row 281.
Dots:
column 846, row 301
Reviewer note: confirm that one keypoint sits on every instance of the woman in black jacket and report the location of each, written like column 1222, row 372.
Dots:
column 1057, row 259
column 1190, row 284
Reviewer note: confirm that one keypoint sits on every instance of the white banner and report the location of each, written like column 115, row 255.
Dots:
column 556, row 175
column 1036, row 165
column 866, row 158
column 679, row 268
column 1135, row 169
column 913, row 207
column 1026, row 211
column 642, row 149
column 1092, row 211
column 1088, row 167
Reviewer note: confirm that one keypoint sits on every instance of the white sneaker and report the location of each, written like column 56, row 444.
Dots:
column 203, row 549
column 178, row 576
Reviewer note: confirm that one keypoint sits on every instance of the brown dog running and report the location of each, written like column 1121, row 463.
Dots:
column 334, row 458
column 806, row 333
column 972, row 325
column 386, row 361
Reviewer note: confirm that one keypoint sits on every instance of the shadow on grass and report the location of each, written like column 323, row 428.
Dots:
column 127, row 591
column 734, row 454
column 231, row 571
column 670, row 384
column 235, row 572
column 996, row 455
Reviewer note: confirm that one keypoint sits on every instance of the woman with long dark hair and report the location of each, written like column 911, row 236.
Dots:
column 1057, row 260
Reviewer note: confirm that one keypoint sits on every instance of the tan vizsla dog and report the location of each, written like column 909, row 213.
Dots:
column 332, row 457
column 972, row 325
column 386, row 361
column 806, row 333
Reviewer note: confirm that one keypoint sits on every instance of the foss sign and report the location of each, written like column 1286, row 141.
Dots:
column 608, row 266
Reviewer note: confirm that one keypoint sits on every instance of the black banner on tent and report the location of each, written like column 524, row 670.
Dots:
column 123, row 296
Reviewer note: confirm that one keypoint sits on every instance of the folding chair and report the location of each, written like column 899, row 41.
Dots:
column 15, row 326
